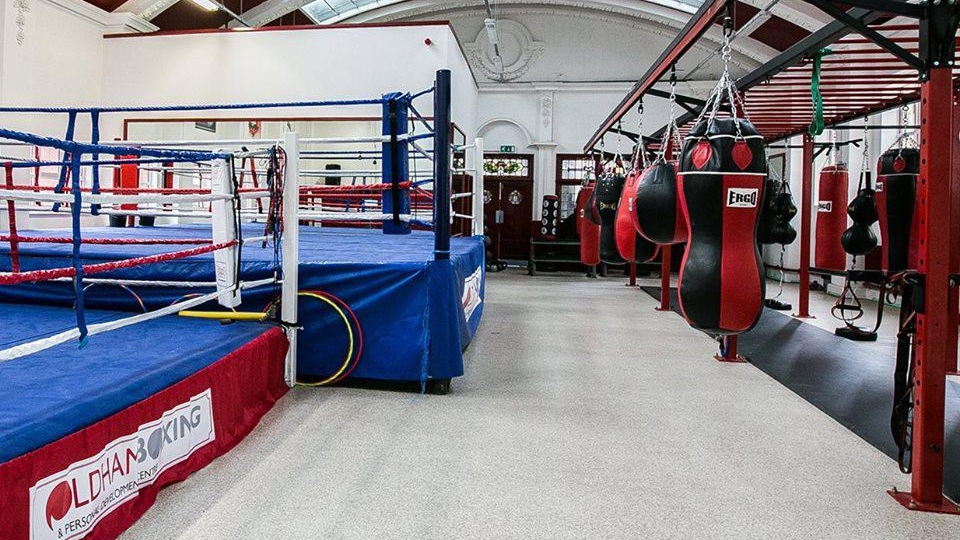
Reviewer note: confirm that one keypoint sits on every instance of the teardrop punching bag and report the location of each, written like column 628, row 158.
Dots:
column 605, row 198
column 657, row 212
column 630, row 244
column 588, row 226
column 831, row 217
column 896, row 194
column 721, row 178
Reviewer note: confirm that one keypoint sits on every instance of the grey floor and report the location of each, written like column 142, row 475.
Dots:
column 584, row 413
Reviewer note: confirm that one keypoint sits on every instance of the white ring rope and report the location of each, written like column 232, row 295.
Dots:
column 98, row 328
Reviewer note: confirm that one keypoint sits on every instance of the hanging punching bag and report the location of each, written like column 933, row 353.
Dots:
column 721, row 179
column 588, row 226
column 657, row 213
column 630, row 244
column 896, row 195
column 605, row 198
column 831, row 218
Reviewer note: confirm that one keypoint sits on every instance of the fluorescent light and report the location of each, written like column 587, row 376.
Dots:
column 208, row 5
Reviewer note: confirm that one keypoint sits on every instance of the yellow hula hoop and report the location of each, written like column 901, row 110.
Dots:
column 346, row 322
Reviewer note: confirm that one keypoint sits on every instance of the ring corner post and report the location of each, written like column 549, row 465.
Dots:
column 395, row 163
column 441, row 166
column 290, row 245
column 478, row 215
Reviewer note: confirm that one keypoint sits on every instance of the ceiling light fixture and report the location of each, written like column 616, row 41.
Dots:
column 208, row 5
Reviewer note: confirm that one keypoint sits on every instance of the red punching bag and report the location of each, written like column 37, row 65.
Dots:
column 831, row 218
column 897, row 172
column 630, row 244
column 721, row 184
column 588, row 226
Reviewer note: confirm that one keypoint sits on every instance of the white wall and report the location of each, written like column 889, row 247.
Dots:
column 326, row 63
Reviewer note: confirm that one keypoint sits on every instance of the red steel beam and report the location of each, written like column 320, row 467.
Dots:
column 691, row 33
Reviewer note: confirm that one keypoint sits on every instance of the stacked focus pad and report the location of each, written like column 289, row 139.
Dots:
column 859, row 239
column 831, row 218
column 721, row 187
column 897, row 172
column 588, row 226
column 605, row 200
column 631, row 245
column 550, row 217
column 657, row 213
column 775, row 215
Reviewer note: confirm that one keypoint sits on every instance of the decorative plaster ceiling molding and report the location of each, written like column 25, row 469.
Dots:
column 270, row 10
column 110, row 22
column 667, row 12
column 748, row 53
column 517, row 47
column 147, row 9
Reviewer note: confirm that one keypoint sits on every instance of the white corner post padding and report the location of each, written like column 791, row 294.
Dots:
column 478, row 187
column 224, row 230
column 290, row 249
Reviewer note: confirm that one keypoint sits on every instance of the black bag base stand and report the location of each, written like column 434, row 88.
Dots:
column 855, row 333
column 777, row 305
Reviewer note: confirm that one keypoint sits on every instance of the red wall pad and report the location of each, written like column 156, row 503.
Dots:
column 831, row 217
column 96, row 482
column 897, row 171
column 722, row 176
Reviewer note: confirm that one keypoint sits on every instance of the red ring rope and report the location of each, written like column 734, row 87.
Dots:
column 104, row 241
column 54, row 273
column 12, row 221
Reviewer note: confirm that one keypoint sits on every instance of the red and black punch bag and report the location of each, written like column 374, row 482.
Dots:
column 630, row 244
column 831, row 218
column 588, row 226
column 721, row 179
column 896, row 186
column 657, row 214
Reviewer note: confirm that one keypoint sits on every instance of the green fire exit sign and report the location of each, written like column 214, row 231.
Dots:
column 507, row 149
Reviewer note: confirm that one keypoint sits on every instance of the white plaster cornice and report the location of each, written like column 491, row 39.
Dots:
column 120, row 22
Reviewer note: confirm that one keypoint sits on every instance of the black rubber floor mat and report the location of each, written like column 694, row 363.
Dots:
column 852, row 382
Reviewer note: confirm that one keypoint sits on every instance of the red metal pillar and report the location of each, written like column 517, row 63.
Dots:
column 935, row 251
column 728, row 352
column 954, row 299
column 664, row 278
column 806, row 211
column 633, row 274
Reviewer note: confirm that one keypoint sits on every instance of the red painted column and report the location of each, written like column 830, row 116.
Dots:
column 806, row 215
column 932, row 354
column 664, row 278
column 954, row 299
column 633, row 274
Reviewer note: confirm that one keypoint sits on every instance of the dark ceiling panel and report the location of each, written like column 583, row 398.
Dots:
column 779, row 34
column 185, row 15
column 107, row 5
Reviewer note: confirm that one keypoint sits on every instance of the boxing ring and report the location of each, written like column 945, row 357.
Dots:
column 110, row 395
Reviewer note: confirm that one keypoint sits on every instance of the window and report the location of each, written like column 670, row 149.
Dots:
column 572, row 170
column 507, row 165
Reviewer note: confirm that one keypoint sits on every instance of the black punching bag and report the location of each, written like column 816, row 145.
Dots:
column 606, row 197
column 657, row 211
column 897, row 172
column 858, row 239
column 721, row 178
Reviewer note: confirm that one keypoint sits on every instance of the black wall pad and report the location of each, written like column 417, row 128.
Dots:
column 851, row 382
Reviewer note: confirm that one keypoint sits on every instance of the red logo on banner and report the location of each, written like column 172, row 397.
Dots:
column 701, row 154
column 899, row 164
column 742, row 155
column 58, row 503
